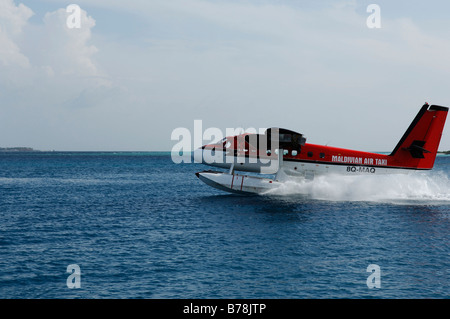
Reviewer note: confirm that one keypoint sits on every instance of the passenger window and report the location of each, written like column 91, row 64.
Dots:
column 322, row 155
column 285, row 152
column 294, row 152
column 310, row 154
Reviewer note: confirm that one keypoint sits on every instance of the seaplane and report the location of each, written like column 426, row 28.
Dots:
column 279, row 155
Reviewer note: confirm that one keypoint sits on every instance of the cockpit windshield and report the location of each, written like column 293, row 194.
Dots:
column 286, row 138
column 272, row 138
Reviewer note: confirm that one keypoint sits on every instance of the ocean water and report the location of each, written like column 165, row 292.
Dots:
column 139, row 226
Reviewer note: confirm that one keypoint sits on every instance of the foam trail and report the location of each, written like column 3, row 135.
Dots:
column 417, row 186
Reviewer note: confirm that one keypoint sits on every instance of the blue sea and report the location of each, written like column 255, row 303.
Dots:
column 138, row 225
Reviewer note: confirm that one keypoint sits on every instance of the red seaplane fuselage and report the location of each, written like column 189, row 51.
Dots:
column 285, row 153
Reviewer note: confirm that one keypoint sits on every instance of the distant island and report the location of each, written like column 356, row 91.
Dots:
column 16, row 149
column 444, row 152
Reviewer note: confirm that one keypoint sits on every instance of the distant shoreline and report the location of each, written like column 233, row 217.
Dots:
column 17, row 149
column 31, row 150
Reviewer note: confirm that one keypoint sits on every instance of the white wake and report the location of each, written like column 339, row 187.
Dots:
column 417, row 186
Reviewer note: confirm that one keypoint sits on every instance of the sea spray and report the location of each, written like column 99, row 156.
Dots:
column 417, row 186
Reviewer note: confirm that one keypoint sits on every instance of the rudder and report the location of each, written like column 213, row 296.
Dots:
column 419, row 145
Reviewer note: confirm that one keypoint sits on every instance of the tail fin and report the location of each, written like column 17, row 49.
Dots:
column 419, row 145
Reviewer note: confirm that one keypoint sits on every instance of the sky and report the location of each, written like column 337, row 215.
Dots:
column 137, row 70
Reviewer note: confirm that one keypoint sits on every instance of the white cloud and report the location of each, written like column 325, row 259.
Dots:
column 47, row 72
column 68, row 50
column 49, row 49
column 12, row 20
column 10, row 53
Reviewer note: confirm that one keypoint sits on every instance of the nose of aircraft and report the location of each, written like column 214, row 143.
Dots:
column 198, row 155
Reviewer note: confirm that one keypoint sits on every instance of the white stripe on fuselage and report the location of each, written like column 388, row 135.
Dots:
column 291, row 167
column 299, row 168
